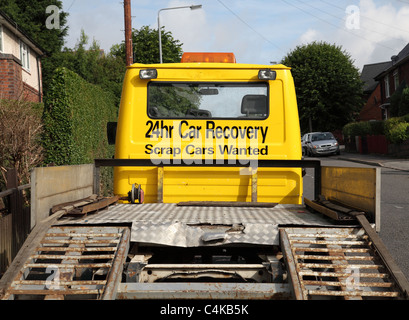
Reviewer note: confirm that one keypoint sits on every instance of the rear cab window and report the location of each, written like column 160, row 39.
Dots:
column 212, row 100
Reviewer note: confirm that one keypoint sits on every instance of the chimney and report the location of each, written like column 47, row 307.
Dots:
column 128, row 32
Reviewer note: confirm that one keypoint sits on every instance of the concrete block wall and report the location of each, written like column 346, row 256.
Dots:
column 51, row 186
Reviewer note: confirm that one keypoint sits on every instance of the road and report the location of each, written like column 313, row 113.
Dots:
column 394, row 208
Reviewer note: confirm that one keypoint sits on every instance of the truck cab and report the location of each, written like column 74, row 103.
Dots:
column 208, row 109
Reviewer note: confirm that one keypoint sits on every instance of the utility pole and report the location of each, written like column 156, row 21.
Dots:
column 128, row 32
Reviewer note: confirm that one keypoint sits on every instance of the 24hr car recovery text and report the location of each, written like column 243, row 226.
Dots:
column 159, row 129
column 181, row 130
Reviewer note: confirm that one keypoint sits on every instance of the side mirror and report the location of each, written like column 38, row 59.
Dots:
column 111, row 132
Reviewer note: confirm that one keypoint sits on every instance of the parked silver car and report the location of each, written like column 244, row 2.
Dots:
column 319, row 143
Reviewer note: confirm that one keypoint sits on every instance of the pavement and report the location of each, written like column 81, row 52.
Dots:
column 378, row 160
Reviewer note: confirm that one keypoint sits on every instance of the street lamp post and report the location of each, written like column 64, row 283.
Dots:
column 192, row 7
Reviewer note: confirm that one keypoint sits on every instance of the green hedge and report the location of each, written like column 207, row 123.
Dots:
column 395, row 129
column 364, row 128
column 75, row 117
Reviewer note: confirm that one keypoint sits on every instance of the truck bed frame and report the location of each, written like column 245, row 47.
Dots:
column 108, row 250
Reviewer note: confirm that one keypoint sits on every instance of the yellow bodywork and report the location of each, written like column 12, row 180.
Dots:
column 198, row 140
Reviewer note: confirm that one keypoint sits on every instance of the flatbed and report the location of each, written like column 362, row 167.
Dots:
column 207, row 251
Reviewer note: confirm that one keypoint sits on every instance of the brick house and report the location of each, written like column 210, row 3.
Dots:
column 20, row 63
column 372, row 92
column 391, row 78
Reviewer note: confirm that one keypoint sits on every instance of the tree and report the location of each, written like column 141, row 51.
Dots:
column 328, row 86
column 82, row 60
column 404, row 102
column 400, row 101
column 96, row 67
column 20, row 132
column 32, row 16
column 108, row 70
column 146, row 46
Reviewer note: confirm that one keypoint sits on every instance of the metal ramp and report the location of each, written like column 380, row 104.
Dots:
column 336, row 263
column 73, row 262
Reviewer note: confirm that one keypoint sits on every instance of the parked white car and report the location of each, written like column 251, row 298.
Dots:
column 319, row 143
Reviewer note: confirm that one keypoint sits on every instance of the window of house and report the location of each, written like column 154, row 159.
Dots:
column 25, row 56
column 396, row 79
column 387, row 92
column 1, row 38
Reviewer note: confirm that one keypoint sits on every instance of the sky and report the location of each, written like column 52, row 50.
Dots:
column 256, row 31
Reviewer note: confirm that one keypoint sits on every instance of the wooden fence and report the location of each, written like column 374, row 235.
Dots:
column 14, row 220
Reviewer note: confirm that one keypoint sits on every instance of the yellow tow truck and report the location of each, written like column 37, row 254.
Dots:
column 208, row 184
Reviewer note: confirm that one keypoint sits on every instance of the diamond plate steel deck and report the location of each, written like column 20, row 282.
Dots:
column 185, row 226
